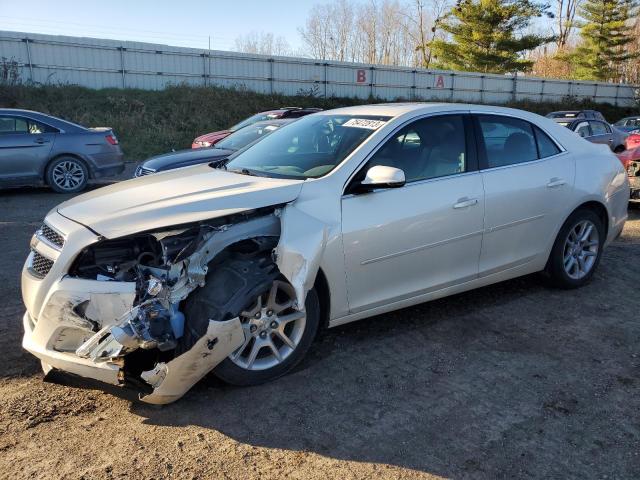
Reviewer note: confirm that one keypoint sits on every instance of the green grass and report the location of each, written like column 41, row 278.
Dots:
column 149, row 122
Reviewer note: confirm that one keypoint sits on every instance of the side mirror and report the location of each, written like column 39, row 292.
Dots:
column 382, row 176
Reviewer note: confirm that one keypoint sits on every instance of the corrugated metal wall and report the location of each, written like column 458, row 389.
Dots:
column 99, row 63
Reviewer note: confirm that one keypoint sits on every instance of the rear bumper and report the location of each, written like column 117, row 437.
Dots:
column 107, row 164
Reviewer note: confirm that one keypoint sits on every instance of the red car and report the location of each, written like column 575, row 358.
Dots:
column 632, row 141
column 631, row 162
column 209, row 139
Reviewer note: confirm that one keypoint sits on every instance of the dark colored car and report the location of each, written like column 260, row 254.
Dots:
column 628, row 124
column 210, row 139
column 234, row 142
column 575, row 114
column 596, row 131
column 38, row 149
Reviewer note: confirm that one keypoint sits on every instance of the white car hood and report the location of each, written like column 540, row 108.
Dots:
column 175, row 197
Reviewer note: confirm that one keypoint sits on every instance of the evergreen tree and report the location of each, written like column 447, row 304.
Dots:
column 605, row 33
column 484, row 36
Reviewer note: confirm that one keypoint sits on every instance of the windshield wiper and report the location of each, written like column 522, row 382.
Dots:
column 219, row 163
column 244, row 171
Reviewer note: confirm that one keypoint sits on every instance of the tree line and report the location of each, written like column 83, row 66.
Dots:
column 573, row 39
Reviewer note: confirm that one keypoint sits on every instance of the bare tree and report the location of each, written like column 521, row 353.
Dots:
column 263, row 44
column 422, row 23
column 565, row 21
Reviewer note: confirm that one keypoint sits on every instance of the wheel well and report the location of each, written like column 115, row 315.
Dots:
column 600, row 210
column 322, row 288
column 60, row 155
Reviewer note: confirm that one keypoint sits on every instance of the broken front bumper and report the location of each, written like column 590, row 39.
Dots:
column 64, row 313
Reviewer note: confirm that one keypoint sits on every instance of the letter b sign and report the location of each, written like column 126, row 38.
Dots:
column 361, row 76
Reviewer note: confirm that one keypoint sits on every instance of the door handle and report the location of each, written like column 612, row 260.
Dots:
column 555, row 182
column 465, row 202
column 40, row 141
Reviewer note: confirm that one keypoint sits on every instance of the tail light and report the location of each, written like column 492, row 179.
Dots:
column 111, row 138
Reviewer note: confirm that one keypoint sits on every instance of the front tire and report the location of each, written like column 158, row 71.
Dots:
column 67, row 175
column 277, row 335
column 577, row 250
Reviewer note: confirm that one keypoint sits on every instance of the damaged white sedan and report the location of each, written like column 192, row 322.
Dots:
column 233, row 267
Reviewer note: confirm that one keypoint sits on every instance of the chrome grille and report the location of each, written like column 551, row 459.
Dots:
column 51, row 235
column 40, row 265
column 141, row 171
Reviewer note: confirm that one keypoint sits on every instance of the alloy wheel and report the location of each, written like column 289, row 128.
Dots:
column 273, row 329
column 68, row 175
column 581, row 249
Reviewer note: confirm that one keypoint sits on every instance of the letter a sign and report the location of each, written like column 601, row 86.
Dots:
column 439, row 82
column 361, row 76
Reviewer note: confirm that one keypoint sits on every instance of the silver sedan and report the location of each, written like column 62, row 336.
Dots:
column 38, row 149
column 345, row 214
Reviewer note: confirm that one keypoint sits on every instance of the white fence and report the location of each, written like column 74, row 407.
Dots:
column 97, row 63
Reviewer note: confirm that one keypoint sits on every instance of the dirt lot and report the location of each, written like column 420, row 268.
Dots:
column 513, row 380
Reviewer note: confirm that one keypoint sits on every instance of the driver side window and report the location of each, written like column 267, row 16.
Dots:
column 428, row 148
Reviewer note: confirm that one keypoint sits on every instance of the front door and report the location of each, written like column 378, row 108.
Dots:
column 426, row 235
column 24, row 149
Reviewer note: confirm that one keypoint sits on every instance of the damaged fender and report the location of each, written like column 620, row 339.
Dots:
column 303, row 239
column 173, row 379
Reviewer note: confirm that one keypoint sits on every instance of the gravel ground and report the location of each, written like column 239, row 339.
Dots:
column 512, row 380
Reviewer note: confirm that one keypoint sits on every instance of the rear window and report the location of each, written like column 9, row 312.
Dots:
column 546, row 146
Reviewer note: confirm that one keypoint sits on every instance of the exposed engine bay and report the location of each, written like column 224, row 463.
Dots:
column 161, row 351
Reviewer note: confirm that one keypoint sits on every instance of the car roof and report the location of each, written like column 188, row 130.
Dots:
column 398, row 109
column 49, row 119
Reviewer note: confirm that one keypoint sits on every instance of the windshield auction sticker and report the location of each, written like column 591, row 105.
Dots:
column 364, row 123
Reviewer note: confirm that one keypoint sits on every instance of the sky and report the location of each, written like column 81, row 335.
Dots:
column 185, row 23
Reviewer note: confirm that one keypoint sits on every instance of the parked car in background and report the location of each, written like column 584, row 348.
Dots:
column 631, row 162
column 572, row 114
column 210, row 139
column 628, row 124
column 633, row 140
column 596, row 131
column 227, row 146
column 341, row 216
column 38, row 149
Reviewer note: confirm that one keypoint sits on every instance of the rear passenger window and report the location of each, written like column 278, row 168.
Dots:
column 507, row 140
column 546, row 146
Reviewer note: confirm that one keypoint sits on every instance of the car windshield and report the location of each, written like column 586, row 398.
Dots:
column 245, row 136
column 309, row 148
column 258, row 117
column 564, row 124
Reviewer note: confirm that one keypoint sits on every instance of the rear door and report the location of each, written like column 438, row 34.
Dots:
column 600, row 133
column 24, row 148
column 527, row 180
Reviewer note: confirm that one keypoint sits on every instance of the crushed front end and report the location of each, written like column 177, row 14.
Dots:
column 113, row 309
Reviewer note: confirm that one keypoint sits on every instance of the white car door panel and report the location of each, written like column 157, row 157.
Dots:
column 403, row 242
column 524, row 204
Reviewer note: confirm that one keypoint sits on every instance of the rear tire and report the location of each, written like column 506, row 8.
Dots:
column 67, row 175
column 577, row 250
